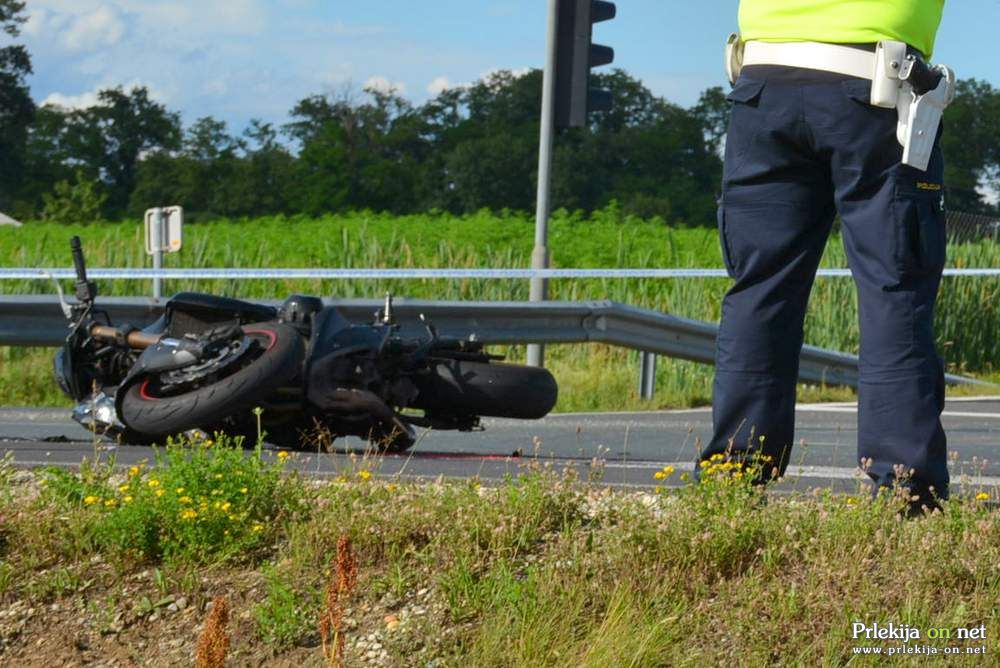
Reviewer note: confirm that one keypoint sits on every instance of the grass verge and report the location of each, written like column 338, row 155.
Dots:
column 542, row 570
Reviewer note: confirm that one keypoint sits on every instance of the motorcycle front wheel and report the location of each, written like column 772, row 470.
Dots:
column 277, row 358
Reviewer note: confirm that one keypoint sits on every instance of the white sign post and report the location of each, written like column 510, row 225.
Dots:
column 163, row 235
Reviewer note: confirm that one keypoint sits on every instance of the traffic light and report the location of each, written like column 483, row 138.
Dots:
column 575, row 56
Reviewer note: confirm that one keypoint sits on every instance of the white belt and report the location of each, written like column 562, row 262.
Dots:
column 888, row 68
column 813, row 56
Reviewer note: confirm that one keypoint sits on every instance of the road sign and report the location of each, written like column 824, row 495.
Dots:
column 163, row 230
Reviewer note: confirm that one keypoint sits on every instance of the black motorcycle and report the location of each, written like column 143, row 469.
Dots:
column 209, row 361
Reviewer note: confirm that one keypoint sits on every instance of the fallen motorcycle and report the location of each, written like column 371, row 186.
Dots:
column 209, row 361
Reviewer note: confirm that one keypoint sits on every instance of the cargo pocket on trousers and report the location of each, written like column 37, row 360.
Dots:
column 724, row 244
column 746, row 121
column 920, row 235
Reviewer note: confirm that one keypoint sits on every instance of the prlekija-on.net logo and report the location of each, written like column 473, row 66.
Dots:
column 892, row 639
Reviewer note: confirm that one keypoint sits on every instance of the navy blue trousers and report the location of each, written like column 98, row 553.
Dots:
column 804, row 146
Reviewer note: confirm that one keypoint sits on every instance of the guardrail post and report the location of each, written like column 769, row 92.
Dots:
column 647, row 375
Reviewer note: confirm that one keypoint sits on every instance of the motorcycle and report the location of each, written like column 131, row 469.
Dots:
column 208, row 362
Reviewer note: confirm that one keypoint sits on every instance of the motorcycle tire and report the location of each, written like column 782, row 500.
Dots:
column 461, row 387
column 233, row 396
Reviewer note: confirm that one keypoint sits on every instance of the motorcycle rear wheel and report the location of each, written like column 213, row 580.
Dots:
column 157, row 416
column 462, row 387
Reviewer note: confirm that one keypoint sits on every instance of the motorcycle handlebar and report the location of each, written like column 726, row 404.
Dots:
column 135, row 339
column 81, row 267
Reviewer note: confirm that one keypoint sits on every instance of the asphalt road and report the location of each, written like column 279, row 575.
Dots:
column 619, row 448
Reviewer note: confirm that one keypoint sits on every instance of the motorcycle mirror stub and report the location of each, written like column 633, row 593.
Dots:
column 164, row 227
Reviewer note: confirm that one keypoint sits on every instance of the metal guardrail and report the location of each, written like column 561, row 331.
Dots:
column 37, row 320
column 28, row 273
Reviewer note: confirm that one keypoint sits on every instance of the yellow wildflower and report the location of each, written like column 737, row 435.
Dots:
column 179, row 490
column 225, row 507
column 127, row 499
column 364, row 474
column 185, row 499
column 243, row 490
column 153, row 482
column 659, row 475
column 91, row 500
column 982, row 496
column 218, row 476
column 391, row 487
column 257, row 528
column 188, row 514
column 133, row 471
column 716, row 457
column 110, row 503
column 685, row 476
column 283, row 455
column 703, row 464
column 123, row 488
column 159, row 493
column 668, row 471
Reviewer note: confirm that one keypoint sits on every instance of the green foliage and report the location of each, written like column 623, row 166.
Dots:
column 286, row 616
column 16, row 106
column 79, row 202
column 967, row 317
column 201, row 502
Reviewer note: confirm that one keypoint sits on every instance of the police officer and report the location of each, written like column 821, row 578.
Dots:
column 826, row 97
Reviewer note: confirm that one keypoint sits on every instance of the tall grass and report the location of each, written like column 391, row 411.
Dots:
column 968, row 320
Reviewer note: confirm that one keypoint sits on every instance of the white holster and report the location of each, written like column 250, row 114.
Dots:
column 920, row 118
column 888, row 69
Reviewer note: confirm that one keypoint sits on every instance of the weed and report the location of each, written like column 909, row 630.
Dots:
column 285, row 616
column 213, row 643
column 201, row 501
column 338, row 591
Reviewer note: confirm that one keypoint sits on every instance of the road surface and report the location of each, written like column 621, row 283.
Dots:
column 618, row 448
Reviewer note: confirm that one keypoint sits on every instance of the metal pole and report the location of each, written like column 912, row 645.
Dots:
column 647, row 375
column 157, row 252
column 540, row 254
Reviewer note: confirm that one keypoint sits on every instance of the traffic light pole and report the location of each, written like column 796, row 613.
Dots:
column 540, row 254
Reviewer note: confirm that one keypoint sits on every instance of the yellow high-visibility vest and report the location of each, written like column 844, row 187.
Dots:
column 842, row 21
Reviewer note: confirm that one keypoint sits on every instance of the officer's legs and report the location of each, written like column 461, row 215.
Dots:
column 895, row 241
column 774, row 219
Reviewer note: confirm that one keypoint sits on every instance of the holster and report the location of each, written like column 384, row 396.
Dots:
column 734, row 58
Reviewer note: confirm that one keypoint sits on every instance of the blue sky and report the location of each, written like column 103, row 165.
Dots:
column 240, row 59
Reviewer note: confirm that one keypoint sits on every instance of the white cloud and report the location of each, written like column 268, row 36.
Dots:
column 516, row 72
column 89, row 98
column 101, row 28
column 81, row 101
column 383, row 85
column 439, row 85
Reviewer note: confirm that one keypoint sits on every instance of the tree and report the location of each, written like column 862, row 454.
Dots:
column 360, row 155
column 79, row 202
column 111, row 136
column 16, row 107
column 971, row 146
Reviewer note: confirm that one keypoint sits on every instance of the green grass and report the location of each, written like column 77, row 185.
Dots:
column 968, row 317
column 540, row 570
